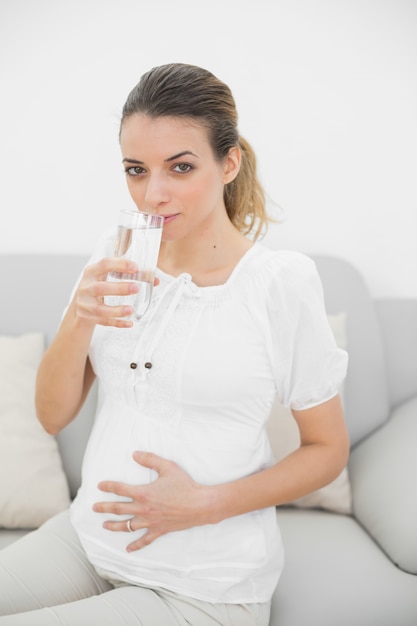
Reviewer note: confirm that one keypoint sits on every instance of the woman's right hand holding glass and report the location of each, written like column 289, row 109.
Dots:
column 94, row 287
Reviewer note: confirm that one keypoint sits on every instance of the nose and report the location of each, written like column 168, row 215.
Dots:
column 157, row 192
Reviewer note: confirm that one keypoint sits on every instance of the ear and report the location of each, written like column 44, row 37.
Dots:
column 231, row 164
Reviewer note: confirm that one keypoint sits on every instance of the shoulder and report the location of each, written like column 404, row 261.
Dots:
column 285, row 268
column 284, row 279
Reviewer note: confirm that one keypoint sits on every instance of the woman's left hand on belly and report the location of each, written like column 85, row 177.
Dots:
column 170, row 503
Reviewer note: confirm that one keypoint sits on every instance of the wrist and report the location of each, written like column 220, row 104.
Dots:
column 79, row 323
column 215, row 503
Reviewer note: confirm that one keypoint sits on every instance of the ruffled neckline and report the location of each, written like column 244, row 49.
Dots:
column 208, row 290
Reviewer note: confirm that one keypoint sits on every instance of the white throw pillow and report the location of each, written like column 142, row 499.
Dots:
column 284, row 438
column 33, row 485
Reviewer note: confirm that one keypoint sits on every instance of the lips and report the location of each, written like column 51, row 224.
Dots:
column 170, row 218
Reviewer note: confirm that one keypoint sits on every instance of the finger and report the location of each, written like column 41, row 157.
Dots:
column 115, row 288
column 108, row 315
column 116, row 508
column 99, row 271
column 150, row 460
column 109, row 310
column 112, row 486
column 119, row 321
column 111, row 264
column 122, row 526
column 145, row 540
column 112, row 313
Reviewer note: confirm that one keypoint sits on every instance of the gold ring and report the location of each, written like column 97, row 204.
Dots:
column 130, row 529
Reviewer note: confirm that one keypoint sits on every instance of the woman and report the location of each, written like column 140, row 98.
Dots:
column 175, row 519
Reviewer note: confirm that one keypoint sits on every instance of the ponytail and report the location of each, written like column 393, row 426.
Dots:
column 244, row 197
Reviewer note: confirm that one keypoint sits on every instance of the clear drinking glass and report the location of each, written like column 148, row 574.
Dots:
column 138, row 239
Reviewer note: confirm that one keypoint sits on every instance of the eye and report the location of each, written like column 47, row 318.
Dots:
column 183, row 168
column 134, row 171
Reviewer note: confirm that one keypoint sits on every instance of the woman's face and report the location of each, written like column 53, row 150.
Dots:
column 171, row 170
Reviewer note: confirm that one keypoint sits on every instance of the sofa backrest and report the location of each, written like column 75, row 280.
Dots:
column 366, row 388
column 398, row 323
column 35, row 290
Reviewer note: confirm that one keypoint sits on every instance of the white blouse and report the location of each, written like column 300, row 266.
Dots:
column 210, row 362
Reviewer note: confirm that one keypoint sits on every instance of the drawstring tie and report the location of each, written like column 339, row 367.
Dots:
column 180, row 283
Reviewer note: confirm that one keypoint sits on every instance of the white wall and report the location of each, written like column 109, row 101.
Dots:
column 327, row 93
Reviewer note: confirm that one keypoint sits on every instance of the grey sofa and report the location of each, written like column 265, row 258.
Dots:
column 341, row 570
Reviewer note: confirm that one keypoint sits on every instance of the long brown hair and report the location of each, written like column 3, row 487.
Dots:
column 181, row 90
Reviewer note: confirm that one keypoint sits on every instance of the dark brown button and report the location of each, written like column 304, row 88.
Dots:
column 148, row 365
column 133, row 366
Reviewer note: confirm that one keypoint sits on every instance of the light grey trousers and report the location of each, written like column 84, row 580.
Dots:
column 46, row 580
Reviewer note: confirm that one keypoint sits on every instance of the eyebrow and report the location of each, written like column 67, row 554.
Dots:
column 171, row 158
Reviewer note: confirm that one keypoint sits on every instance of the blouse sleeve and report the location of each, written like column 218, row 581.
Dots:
column 308, row 366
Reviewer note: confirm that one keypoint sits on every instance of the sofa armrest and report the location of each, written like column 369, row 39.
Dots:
column 383, row 473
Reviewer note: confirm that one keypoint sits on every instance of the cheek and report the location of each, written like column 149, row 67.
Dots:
column 204, row 192
column 193, row 194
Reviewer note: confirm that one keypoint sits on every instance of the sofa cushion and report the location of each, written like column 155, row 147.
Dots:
column 284, row 438
column 33, row 485
column 336, row 575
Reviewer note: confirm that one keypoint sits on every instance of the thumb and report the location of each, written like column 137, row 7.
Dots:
column 149, row 459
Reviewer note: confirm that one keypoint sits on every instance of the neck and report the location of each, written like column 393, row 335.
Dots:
column 209, row 258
